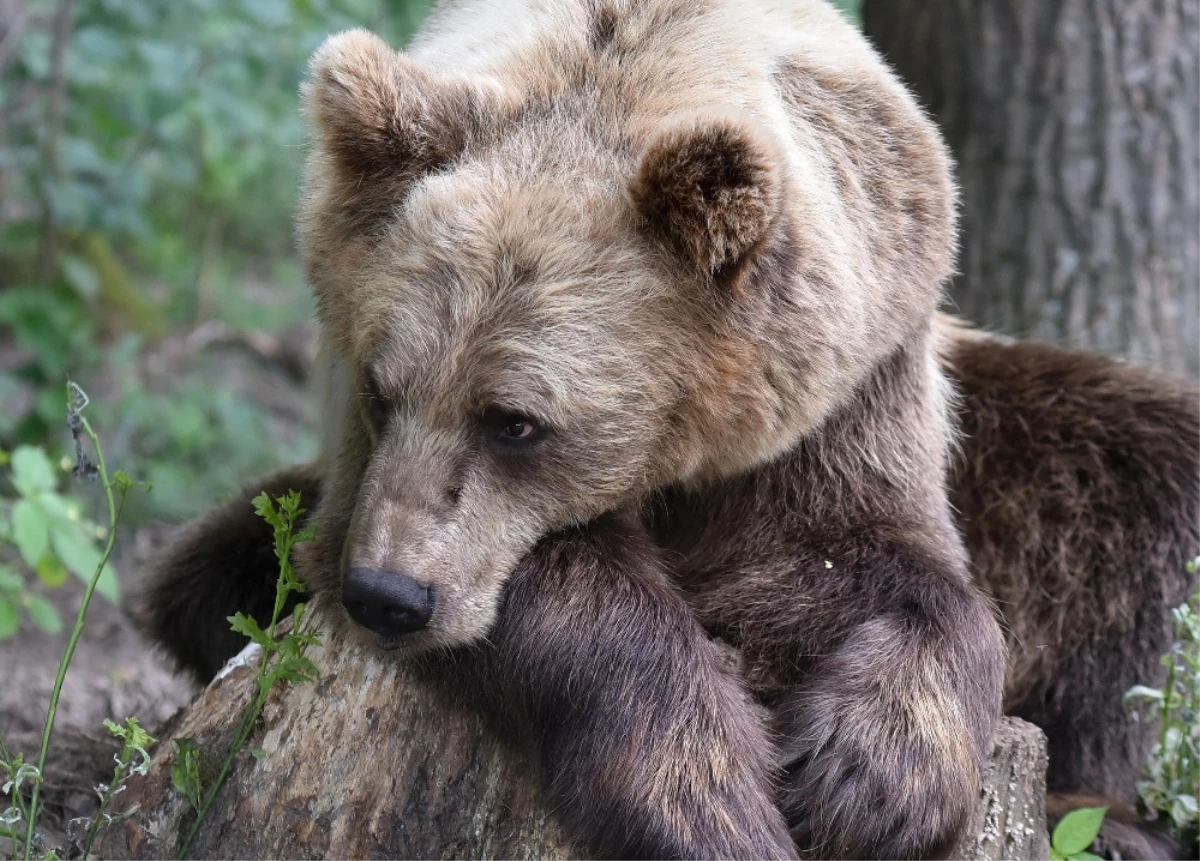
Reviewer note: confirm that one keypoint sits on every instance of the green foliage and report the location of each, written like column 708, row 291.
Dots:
column 133, row 759
column 33, row 477
column 1172, row 783
column 283, row 660
column 185, row 772
column 1075, row 833
column 178, row 119
column 150, row 159
column 52, row 540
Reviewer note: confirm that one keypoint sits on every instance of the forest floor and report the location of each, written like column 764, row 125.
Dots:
column 116, row 673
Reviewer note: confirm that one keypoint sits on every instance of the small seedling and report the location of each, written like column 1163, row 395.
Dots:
column 133, row 759
column 282, row 660
column 185, row 772
column 1075, row 833
column 1171, row 785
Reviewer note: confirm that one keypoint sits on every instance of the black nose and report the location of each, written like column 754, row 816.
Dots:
column 389, row 603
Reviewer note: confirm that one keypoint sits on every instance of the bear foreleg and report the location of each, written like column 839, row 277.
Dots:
column 651, row 747
column 884, row 744
column 884, row 676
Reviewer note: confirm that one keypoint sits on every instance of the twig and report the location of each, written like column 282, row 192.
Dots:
column 77, row 401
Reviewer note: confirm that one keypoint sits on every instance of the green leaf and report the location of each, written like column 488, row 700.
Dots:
column 30, row 531
column 1183, row 808
column 1086, row 856
column 80, row 276
column 32, row 471
column 265, row 509
column 10, row 618
column 56, row 507
column 1076, row 831
column 247, row 626
column 131, row 733
column 8, row 580
column 81, row 556
column 44, row 615
column 185, row 771
column 51, row 571
column 1055, row 855
column 258, row 753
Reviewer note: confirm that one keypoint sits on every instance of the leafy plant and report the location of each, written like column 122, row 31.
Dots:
column 132, row 760
column 282, row 660
column 1172, row 783
column 1075, row 833
column 35, row 481
column 185, row 772
column 52, row 538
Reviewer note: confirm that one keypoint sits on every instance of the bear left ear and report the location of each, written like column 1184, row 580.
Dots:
column 381, row 119
column 710, row 184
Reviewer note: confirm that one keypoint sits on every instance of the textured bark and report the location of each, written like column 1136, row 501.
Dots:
column 367, row 763
column 1010, row 819
column 370, row 762
column 1074, row 124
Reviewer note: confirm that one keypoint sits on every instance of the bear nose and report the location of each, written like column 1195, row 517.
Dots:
column 390, row 603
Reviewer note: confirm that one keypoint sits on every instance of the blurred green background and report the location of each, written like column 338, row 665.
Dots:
column 150, row 157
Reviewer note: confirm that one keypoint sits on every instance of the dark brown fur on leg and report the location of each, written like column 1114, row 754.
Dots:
column 885, row 724
column 220, row 564
column 882, row 664
column 650, row 746
column 1078, row 488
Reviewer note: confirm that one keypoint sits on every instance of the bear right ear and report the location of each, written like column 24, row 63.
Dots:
column 710, row 184
column 379, row 116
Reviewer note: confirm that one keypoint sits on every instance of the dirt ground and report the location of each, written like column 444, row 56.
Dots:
column 115, row 672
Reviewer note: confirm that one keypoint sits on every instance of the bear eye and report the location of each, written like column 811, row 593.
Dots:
column 374, row 404
column 510, row 427
column 519, row 429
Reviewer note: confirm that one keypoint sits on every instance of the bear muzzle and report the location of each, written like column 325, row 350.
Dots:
column 389, row 603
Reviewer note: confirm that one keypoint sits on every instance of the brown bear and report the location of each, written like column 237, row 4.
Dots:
column 629, row 340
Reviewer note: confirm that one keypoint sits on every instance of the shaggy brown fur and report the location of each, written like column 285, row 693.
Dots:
column 695, row 250
column 879, row 661
column 650, row 746
column 678, row 241
column 1040, row 425
column 1097, row 465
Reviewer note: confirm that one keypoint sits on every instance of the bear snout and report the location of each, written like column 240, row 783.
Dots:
column 390, row 603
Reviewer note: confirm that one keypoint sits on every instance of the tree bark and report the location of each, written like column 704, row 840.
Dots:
column 371, row 762
column 1074, row 123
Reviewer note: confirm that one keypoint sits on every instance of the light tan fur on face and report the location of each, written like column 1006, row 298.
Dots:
column 679, row 233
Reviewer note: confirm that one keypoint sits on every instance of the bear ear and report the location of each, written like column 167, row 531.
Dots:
column 710, row 184
column 377, row 114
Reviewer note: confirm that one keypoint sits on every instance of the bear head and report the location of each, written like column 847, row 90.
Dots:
column 543, row 298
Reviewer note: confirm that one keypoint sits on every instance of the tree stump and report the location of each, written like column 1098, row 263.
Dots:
column 372, row 761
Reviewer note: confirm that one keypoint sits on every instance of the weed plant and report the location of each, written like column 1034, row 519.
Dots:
column 1171, row 786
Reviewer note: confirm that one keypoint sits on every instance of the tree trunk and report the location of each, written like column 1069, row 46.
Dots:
column 371, row 762
column 1075, row 126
